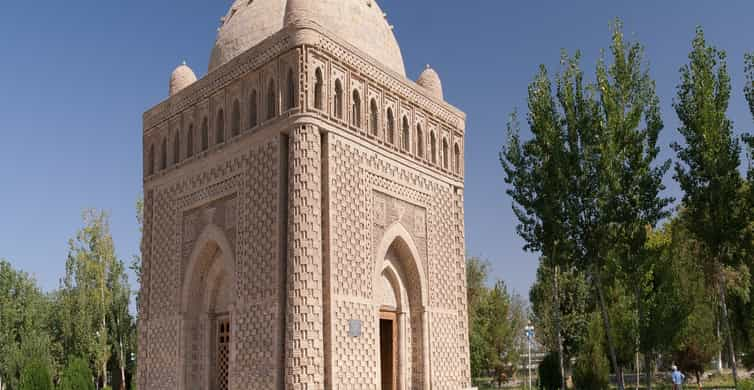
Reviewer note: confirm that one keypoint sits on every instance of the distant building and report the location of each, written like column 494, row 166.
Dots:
column 304, row 221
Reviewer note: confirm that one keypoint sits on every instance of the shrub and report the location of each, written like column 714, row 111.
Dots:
column 592, row 371
column 36, row 376
column 746, row 384
column 549, row 372
column 77, row 376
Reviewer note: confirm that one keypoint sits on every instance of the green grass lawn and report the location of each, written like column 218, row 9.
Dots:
column 714, row 382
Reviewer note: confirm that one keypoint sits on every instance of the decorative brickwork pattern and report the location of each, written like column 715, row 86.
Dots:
column 462, row 306
column 165, row 270
column 255, row 340
column 443, row 259
column 352, row 269
column 163, row 353
column 258, row 252
column 446, row 373
column 304, row 333
column 355, row 357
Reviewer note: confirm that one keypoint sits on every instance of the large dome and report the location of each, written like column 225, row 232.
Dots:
column 359, row 22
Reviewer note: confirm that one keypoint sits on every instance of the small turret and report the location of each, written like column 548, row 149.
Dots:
column 430, row 80
column 181, row 78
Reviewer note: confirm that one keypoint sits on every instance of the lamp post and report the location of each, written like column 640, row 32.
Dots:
column 529, row 336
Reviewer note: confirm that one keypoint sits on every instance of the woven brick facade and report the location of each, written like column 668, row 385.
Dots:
column 285, row 208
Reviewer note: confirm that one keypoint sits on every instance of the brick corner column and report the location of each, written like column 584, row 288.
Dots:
column 304, row 337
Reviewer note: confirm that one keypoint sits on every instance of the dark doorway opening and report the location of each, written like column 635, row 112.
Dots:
column 388, row 350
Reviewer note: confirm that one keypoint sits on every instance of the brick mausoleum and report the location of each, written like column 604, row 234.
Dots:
column 303, row 211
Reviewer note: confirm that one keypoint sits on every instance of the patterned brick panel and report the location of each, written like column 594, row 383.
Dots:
column 304, row 333
column 444, row 352
column 443, row 259
column 165, row 270
column 349, row 199
column 255, row 342
column 257, row 257
column 463, row 323
column 355, row 357
column 163, row 354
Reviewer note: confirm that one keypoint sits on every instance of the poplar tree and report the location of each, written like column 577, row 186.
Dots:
column 630, row 177
column 87, row 292
column 537, row 172
column 749, row 87
column 707, row 168
column 586, row 185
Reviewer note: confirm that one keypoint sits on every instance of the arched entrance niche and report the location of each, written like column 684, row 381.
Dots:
column 207, row 304
column 400, row 296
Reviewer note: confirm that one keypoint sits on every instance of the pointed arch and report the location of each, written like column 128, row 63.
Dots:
column 374, row 117
column 398, row 234
column 220, row 127
column 356, row 109
column 164, row 154
column 207, row 305
column 253, row 107
column 205, row 134
column 271, row 96
column 338, row 99
column 390, row 126
column 419, row 141
column 433, row 147
column 235, row 121
column 190, row 141
column 445, row 153
column 318, row 89
column 177, row 147
column 290, row 93
column 457, row 159
column 406, row 138
column 212, row 238
column 150, row 160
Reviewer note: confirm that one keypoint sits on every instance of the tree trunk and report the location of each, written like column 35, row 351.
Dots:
column 648, row 370
column 640, row 317
column 638, row 373
column 122, row 378
column 609, row 337
column 558, row 331
column 729, row 333
column 720, row 352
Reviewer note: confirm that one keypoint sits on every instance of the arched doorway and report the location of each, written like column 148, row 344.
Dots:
column 400, row 298
column 208, row 303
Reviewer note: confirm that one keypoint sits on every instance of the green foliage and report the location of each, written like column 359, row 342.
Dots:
column 24, row 317
column 506, row 321
column 574, row 309
column 549, row 372
column 94, row 298
column 496, row 321
column 747, row 384
column 77, row 376
column 476, row 290
column 749, row 87
column 591, row 371
column 36, row 376
column 587, row 185
column 708, row 168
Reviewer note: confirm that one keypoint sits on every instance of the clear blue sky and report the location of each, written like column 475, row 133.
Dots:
column 75, row 77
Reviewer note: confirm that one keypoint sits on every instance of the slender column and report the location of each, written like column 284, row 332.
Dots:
column 304, row 319
column 426, row 349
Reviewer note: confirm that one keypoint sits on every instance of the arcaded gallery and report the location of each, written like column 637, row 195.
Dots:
column 304, row 220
